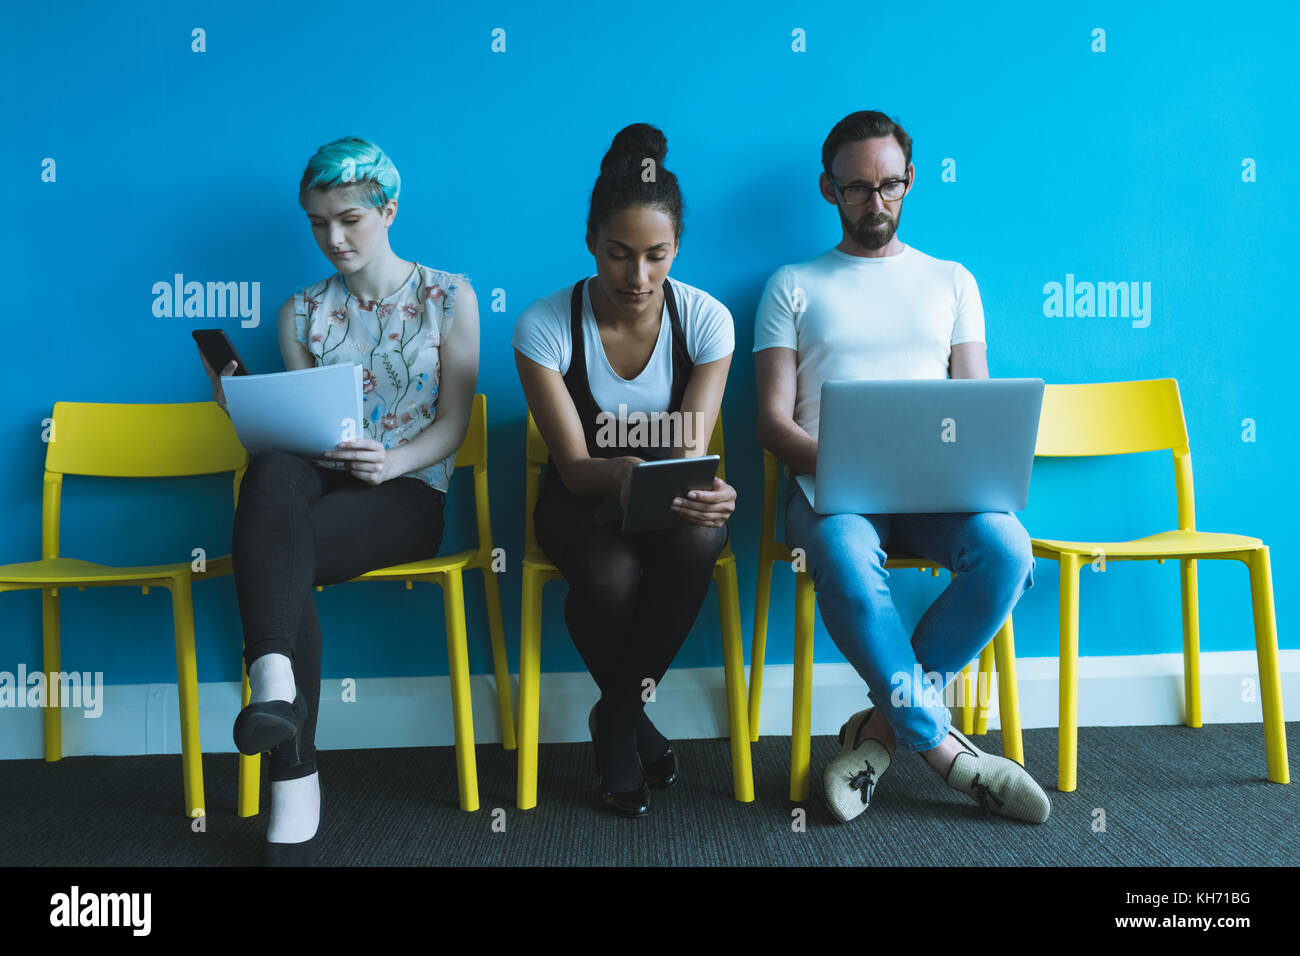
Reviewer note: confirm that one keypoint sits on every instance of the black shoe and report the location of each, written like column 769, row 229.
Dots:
column 628, row 803
column 661, row 770
column 262, row 727
column 662, row 773
column 305, row 853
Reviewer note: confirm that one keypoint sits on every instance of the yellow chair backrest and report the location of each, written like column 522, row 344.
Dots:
column 772, row 507
column 134, row 441
column 537, row 453
column 1111, row 418
column 473, row 454
column 142, row 441
column 185, row 439
column 1120, row 418
column 473, row 450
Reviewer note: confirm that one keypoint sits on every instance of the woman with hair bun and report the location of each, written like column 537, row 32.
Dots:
column 379, row 500
column 628, row 339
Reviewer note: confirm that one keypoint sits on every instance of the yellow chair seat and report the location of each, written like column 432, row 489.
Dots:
column 61, row 571
column 536, row 558
column 435, row 565
column 216, row 567
column 1168, row 544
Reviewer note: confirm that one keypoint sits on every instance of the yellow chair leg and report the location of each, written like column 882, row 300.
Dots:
column 1270, row 680
column 1068, row 730
column 1191, row 646
column 52, row 664
column 758, row 649
column 250, row 768
column 187, row 686
column 530, row 640
column 733, row 660
column 965, row 701
column 984, row 689
column 801, row 718
column 1004, row 654
column 500, row 663
column 463, row 717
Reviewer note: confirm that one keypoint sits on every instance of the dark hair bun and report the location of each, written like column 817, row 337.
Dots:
column 622, row 183
column 635, row 143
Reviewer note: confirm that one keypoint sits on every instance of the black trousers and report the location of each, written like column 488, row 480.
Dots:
column 299, row 525
column 632, row 596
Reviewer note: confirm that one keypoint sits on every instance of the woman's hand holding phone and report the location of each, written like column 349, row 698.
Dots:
column 218, row 393
column 709, row 508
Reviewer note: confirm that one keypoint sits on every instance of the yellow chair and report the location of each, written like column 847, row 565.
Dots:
column 538, row 569
column 128, row 441
column 1002, row 648
column 446, row 572
column 1118, row 418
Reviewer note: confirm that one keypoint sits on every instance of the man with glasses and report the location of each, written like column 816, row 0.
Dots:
column 875, row 308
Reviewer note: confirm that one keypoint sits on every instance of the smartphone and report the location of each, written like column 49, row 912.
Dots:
column 216, row 348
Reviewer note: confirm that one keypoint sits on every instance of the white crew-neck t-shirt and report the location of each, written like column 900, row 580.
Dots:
column 542, row 333
column 854, row 317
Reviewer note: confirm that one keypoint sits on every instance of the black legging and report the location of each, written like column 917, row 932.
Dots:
column 298, row 525
column 632, row 600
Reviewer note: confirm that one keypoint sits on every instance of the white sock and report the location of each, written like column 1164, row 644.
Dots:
column 270, row 677
column 295, row 810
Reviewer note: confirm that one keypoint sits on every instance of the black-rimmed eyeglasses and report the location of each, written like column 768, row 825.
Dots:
column 891, row 190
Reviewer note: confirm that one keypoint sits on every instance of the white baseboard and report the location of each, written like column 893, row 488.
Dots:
column 416, row 711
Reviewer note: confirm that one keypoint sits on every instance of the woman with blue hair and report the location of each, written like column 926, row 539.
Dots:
column 379, row 500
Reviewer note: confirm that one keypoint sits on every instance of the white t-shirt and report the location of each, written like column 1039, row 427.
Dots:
column 542, row 333
column 855, row 318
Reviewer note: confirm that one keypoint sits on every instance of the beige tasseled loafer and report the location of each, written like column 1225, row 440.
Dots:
column 851, row 778
column 999, row 784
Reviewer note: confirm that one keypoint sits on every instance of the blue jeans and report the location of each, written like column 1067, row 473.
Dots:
column 992, row 564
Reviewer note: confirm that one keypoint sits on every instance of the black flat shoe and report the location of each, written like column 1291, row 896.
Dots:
column 662, row 773
column 628, row 803
column 262, row 727
column 306, row 853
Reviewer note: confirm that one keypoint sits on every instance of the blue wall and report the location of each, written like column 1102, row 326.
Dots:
column 1118, row 165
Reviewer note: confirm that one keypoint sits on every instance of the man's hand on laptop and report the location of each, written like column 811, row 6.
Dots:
column 709, row 508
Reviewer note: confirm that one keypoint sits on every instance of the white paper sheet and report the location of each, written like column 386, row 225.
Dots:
column 307, row 411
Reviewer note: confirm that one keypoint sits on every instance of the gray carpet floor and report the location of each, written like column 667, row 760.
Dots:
column 1169, row 795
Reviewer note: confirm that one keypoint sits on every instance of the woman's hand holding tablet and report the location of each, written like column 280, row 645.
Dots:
column 711, row 508
column 675, row 491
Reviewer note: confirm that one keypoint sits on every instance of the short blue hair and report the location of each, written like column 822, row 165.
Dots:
column 352, row 161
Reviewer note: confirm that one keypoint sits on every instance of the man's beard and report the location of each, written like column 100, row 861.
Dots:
column 869, row 235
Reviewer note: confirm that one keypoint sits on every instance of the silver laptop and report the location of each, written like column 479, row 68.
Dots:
column 925, row 446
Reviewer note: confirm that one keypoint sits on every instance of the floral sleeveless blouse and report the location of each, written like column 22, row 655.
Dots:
column 395, row 340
